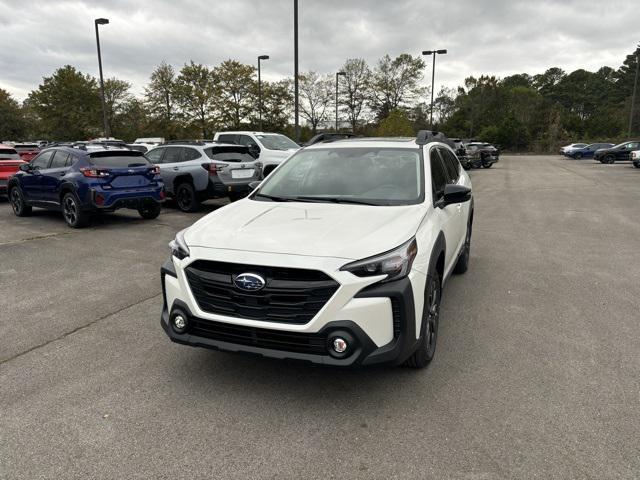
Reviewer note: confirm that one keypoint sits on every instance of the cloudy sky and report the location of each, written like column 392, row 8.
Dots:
column 497, row 37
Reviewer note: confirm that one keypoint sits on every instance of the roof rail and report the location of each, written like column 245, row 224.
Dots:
column 184, row 142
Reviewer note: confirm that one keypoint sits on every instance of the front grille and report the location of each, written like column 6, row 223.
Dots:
column 312, row 343
column 291, row 295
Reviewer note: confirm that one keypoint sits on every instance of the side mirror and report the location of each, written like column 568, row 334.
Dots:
column 456, row 194
column 253, row 185
column 25, row 167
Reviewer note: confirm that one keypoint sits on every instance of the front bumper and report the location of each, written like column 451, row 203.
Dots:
column 305, row 344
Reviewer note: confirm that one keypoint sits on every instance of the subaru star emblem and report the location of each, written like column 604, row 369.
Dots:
column 249, row 281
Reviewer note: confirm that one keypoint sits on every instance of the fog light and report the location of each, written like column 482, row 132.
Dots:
column 340, row 345
column 179, row 323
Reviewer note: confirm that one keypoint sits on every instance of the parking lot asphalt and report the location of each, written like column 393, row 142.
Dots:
column 536, row 375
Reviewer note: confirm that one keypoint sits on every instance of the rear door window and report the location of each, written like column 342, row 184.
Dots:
column 172, row 155
column 59, row 159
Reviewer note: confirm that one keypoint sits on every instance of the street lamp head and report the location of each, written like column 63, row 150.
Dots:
column 342, row 74
column 441, row 52
column 102, row 21
column 427, row 52
column 263, row 57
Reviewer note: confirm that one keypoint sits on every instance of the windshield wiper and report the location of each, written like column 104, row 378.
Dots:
column 335, row 200
column 275, row 198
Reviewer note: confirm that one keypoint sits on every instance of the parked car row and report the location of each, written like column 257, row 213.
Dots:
column 605, row 152
column 475, row 154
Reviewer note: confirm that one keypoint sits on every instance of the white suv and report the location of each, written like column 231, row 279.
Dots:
column 270, row 148
column 338, row 257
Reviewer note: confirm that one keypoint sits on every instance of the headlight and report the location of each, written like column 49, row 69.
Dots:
column 178, row 246
column 395, row 263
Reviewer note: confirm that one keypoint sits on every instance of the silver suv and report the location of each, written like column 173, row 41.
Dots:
column 193, row 172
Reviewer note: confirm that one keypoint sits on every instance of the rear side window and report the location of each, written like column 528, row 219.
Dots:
column 9, row 154
column 451, row 164
column 438, row 175
column 118, row 159
column 59, row 159
column 155, row 155
column 190, row 154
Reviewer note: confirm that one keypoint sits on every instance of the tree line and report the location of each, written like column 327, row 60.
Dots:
column 518, row 112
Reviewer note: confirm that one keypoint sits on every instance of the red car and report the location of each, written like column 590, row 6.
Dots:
column 10, row 162
column 27, row 151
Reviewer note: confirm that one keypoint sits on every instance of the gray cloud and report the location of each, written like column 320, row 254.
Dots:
column 498, row 37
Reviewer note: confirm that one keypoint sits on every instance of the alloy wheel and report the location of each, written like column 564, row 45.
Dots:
column 184, row 198
column 70, row 210
column 433, row 316
column 16, row 201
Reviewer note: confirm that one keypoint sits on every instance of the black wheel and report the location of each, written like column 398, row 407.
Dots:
column 430, row 320
column 186, row 198
column 609, row 159
column 636, row 164
column 463, row 260
column 18, row 203
column 577, row 156
column 72, row 211
column 149, row 210
column 487, row 165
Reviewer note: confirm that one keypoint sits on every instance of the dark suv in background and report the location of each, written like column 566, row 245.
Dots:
column 618, row 153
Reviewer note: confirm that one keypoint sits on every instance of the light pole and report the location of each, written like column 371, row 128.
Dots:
column 296, row 104
column 633, row 96
column 102, row 21
column 338, row 75
column 261, row 57
column 433, row 77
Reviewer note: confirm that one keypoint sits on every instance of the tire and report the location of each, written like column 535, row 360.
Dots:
column 636, row 164
column 18, row 203
column 577, row 156
column 487, row 165
column 462, row 265
column 150, row 210
column 609, row 159
column 72, row 211
column 430, row 320
column 186, row 198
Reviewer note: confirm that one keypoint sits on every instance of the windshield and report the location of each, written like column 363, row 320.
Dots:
column 9, row 154
column 277, row 142
column 372, row 176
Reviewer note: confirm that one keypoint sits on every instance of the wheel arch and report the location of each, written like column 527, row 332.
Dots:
column 184, row 178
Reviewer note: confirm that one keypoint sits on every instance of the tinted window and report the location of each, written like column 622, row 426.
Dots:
column 70, row 160
column 190, row 154
column 376, row 176
column 9, row 154
column 451, row 164
column 155, row 155
column 438, row 175
column 118, row 159
column 172, row 155
column 227, row 138
column 229, row 154
column 42, row 160
column 59, row 159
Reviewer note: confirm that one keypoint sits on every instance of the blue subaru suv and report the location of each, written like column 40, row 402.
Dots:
column 81, row 183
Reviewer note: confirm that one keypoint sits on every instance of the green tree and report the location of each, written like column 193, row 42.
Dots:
column 194, row 93
column 159, row 96
column 395, row 83
column 116, row 94
column 277, row 104
column 12, row 122
column 68, row 105
column 396, row 124
column 236, row 90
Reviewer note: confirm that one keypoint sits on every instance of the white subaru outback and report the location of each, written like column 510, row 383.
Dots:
column 337, row 258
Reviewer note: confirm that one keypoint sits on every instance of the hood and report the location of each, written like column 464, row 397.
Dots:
column 313, row 229
column 284, row 154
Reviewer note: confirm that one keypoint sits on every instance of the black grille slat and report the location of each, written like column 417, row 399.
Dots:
column 238, row 334
column 290, row 296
